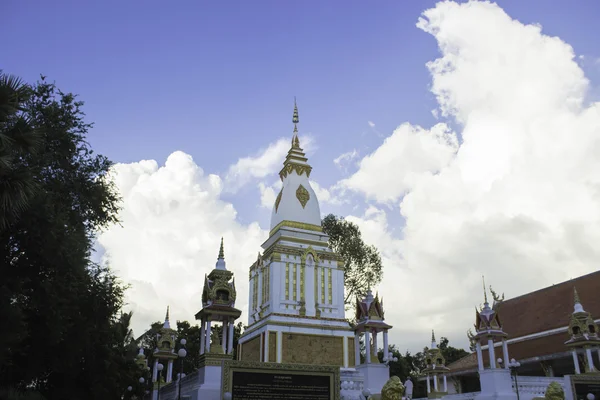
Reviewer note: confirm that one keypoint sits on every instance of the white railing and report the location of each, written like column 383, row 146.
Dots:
column 535, row 386
column 352, row 384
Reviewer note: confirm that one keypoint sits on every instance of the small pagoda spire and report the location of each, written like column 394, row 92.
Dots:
column 221, row 251
column 167, row 324
column 221, row 258
column 433, row 344
column 295, row 120
column 577, row 306
column 484, row 291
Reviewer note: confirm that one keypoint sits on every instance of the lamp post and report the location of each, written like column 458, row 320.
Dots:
column 159, row 367
column 389, row 358
column 181, row 353
column 513, row 365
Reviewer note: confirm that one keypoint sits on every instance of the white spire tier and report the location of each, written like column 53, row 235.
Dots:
column 297, row 201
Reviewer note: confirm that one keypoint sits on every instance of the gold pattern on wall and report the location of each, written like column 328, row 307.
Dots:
column 272, row 346
column 322, row 285
column 302, row 283
column 330, row 288
column 316, row 292
column 294, row 282
column 255, row 292
column 278, row 199
column 251, row 349
column 300, row 169
column 312, row 349
column 287, row 281
column 351, row 353
column 302, row 195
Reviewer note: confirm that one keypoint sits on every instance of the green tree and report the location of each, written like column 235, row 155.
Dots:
column 451, row 354
column 363, row 267
column 62, row 333
column 18, row 138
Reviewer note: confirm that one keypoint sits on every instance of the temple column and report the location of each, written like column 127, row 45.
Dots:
column 445, row 384
column 367, row 347
column 386, row 349
column 260, row 290
column 428, row 385
column 491, row 353
column 207, row 333
column 479, row 356
column 230, row 338
column 357, row 348
column 224, row 333
column 588, row 353
column 505, row 351
column 170, row 371
column 576, row 362
column 435, row 382
column 202, row 337
column 375, row 341
column 155, row 370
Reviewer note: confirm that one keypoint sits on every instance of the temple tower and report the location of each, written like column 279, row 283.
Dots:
column 296, row 287
column 163, row 353
column 370, row 322
column 218, row 306
column 435, row 367
column 495, row 380
column 583, row 333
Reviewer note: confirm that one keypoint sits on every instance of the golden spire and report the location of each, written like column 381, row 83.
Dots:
column 576, row 295
column 167, row 316
column 484, row 291
column 295, row 120
column 221, row 251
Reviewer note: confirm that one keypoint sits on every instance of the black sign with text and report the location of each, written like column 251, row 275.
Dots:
column 280, row 386
column 582, row 389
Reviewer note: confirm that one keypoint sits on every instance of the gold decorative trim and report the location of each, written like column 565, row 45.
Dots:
column 297, row 225
column 305, row 369
column 214, row 359
column 302, row 195
column 299, row 168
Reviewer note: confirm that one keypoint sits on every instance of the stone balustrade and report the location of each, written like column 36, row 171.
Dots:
column 535, row 386
column 351, row 384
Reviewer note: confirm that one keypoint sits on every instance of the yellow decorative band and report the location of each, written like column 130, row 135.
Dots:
column 298, row 225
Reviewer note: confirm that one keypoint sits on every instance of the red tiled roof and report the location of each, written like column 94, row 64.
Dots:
column 540, row 311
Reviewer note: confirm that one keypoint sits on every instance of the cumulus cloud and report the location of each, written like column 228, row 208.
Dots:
column 405, row 157
column 518, row 201
column 171, row 224
column 266, row 162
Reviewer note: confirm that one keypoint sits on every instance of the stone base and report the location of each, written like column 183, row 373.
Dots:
column 436, row 395
column 496, row 384
column 376, row 375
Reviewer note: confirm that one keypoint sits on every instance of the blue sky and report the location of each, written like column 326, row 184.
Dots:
column 216, row 80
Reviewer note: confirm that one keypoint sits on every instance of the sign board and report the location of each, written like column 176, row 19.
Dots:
column 249, row 380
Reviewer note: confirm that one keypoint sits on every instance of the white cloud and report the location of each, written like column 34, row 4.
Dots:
column 171, row 223
column 344, row 159
column 268, row 194
column 267, row 162
column 371, row 124
column 408, row 154
column 518, row 201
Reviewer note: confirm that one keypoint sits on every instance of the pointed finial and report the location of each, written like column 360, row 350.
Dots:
column 221, row 251
column 484, row 291
column 432, row 336
column 167, row 316
column 576, row 295
column 295, row 120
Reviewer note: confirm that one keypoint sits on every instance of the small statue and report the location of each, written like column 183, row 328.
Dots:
column 393, row 389
column 554, row 392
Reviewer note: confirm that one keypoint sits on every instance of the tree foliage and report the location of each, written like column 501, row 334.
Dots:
column 363, row 267
column 62, row 330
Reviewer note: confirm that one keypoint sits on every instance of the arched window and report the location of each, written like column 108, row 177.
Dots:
column 576, row 330
column 222, row 295
column 592, row 329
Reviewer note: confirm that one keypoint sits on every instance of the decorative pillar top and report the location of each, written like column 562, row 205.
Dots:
column 487, row 321
column 369, row 314
column 583, row 331
column 435, row 363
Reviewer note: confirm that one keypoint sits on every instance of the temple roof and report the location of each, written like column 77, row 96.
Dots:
column 543, row 310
